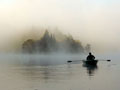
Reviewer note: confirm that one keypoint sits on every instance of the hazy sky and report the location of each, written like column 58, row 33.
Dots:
column 92, row 21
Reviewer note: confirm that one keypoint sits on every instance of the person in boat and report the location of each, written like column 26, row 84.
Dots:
column 90, row 57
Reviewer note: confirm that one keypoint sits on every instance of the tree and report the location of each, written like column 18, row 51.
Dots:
column 28, row 46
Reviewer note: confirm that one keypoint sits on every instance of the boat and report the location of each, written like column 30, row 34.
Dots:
column 90, row 62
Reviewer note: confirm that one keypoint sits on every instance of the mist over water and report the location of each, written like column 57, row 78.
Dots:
column 51, row 72
column 94, row 22
column 12, row 42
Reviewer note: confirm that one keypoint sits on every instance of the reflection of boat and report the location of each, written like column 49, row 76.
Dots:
column 90, row 68
column 92, row 62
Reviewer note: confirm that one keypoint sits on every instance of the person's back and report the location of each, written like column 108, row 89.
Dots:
column 90, row 57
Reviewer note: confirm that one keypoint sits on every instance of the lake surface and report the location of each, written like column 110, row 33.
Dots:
column 52, row 72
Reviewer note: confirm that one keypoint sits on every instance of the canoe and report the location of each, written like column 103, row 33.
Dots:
column 92, row 62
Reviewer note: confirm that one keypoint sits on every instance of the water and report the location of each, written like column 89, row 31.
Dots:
column 41, row 72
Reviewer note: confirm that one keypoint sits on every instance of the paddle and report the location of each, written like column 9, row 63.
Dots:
column 69, row 61
column 105, row 60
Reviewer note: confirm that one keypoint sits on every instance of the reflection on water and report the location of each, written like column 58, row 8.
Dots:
column 47, row 73
column 45, row 68
column 90, row 69
column 54, row 73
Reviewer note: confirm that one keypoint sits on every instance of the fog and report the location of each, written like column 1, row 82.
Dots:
column 91, row 21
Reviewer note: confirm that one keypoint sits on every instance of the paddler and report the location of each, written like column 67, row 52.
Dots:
column 90, row 57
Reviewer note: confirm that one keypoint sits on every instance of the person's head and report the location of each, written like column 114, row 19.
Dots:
column 90, row 53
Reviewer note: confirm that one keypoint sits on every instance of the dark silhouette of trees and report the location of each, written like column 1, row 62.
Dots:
column 28, row 46
column 73, row 45
column 48, row 43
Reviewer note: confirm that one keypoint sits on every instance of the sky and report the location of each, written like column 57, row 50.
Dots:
column 96, row 22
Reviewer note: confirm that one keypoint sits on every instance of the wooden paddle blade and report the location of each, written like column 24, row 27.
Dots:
column 108, row 60
column 69, row 61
